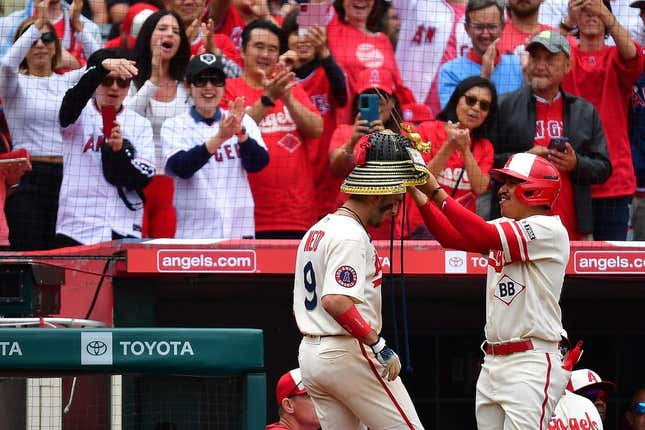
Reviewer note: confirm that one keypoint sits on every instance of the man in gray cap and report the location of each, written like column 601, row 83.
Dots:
column 544, row 120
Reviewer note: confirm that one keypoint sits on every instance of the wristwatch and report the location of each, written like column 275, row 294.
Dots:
column 566, row 27
column 266, row 101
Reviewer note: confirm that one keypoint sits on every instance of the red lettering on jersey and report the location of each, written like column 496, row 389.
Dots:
column 496, row 261
column 313, row 240
column 218, row 155
column 430, row 34
column 91, row 145
column 229, row 153
column 574, row 424
column 418, row 35
column 378, row 271
column 539, row 129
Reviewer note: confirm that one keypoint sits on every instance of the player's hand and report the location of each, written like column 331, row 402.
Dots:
column 388, row 358
column 279, row 84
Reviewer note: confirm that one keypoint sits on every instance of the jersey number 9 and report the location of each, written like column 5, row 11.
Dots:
column 310, row 286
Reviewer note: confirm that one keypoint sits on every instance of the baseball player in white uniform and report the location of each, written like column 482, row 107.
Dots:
column 347, row 368
column 522, row 377
column 103, row 176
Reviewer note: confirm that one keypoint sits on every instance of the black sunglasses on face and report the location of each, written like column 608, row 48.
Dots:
column 471, row 101
column 201, row 81
column 46, row 38
column 108, row 81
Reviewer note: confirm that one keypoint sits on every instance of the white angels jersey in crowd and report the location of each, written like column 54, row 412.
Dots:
column 574, row 412
column 89, row 207
column 524, row 280
column 336, row 257
column 216, row 201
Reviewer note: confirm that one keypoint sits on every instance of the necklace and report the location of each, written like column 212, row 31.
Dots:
column 357, row 218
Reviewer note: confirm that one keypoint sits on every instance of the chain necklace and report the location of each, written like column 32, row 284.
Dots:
column 357, row 218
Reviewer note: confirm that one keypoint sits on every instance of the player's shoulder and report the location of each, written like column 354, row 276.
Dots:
column 340, row 228
column 537, row 227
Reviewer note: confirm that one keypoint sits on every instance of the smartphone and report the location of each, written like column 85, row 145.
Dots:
column 368, row 107
column 311, row 14
column 558, row 143
column 109, row 116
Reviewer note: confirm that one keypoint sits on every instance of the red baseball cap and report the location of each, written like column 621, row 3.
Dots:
column 416, row 112
column 289, row 384
column 380, row 79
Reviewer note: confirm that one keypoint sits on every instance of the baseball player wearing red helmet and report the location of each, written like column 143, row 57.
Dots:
column 348, row 369
column 522, row 377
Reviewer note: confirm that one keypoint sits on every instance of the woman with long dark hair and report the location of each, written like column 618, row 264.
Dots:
column 163, row 52
column 461, row 155
column 32, row 93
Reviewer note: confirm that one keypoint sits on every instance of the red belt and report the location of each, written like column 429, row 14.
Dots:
column 509, row 347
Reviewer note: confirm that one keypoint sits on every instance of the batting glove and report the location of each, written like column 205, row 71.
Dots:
column 388, row 358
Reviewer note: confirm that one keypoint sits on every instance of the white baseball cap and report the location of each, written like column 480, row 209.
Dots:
column 588, row 379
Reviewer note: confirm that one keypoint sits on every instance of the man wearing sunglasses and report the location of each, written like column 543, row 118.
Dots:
column 106, row 148
column 588, row 384
column 529, row 119
column 635, row 416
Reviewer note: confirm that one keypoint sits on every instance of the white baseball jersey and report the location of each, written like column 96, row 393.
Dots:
column 89, row 207
column 574, row 412
column 31, row 103
column 216, row 202
column 336, row 257
column 426, row 26
column 524, row 280
column 552, row 12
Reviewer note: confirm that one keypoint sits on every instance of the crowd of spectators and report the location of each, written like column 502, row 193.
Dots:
column 253, row 136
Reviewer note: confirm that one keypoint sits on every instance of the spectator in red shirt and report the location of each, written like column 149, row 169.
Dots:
column 227, row 20
column 356, row 48
column 461, row 155
column 287, row 118
column 521, row 25
column 604, row 75
column 134, row 19
column 325, row 83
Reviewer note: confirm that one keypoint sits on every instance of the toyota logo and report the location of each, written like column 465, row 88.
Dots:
column 455, row 261
column 96, row 347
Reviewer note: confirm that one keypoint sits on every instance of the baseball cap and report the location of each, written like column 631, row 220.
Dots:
column 553, row 41
column 208, row 62
column 638, row 4
column 381, row 79
column 588, row 379
column 289, row 384
column 416, row 112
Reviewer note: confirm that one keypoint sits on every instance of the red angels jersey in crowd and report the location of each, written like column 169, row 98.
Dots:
column 282, row 190
column 430, row 30
column 232, row 26
column 574, row 412
column 524, row 280
column 355, row 51
column 327, row 186
column 513, row 39
column 605, row 80
column 336, row 257
column 89, row 207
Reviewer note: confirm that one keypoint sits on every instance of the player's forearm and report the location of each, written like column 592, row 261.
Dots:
column 77, row 97
column 624, row 43
column 343, row 310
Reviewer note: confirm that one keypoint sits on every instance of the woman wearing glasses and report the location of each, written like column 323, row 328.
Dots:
column 460, row 155
column 31, row 94
column 209, row 151
column 108, row 153
column 163, row 52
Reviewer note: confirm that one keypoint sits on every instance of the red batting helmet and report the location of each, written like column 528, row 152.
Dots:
column 541, row 180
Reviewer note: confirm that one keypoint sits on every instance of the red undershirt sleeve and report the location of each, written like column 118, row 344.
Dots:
column 473, row 234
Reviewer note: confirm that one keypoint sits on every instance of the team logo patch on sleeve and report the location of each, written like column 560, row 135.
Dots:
column 346, row 276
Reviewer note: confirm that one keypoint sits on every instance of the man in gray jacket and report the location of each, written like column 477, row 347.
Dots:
column 566, row 130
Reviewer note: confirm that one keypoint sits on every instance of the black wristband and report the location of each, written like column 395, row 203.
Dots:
column 266, row 101
column 435, row 191
column 566, row 27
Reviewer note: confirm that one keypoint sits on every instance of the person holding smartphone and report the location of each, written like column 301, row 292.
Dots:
column 530, row 118
column 32, row 91
column 106, row 166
